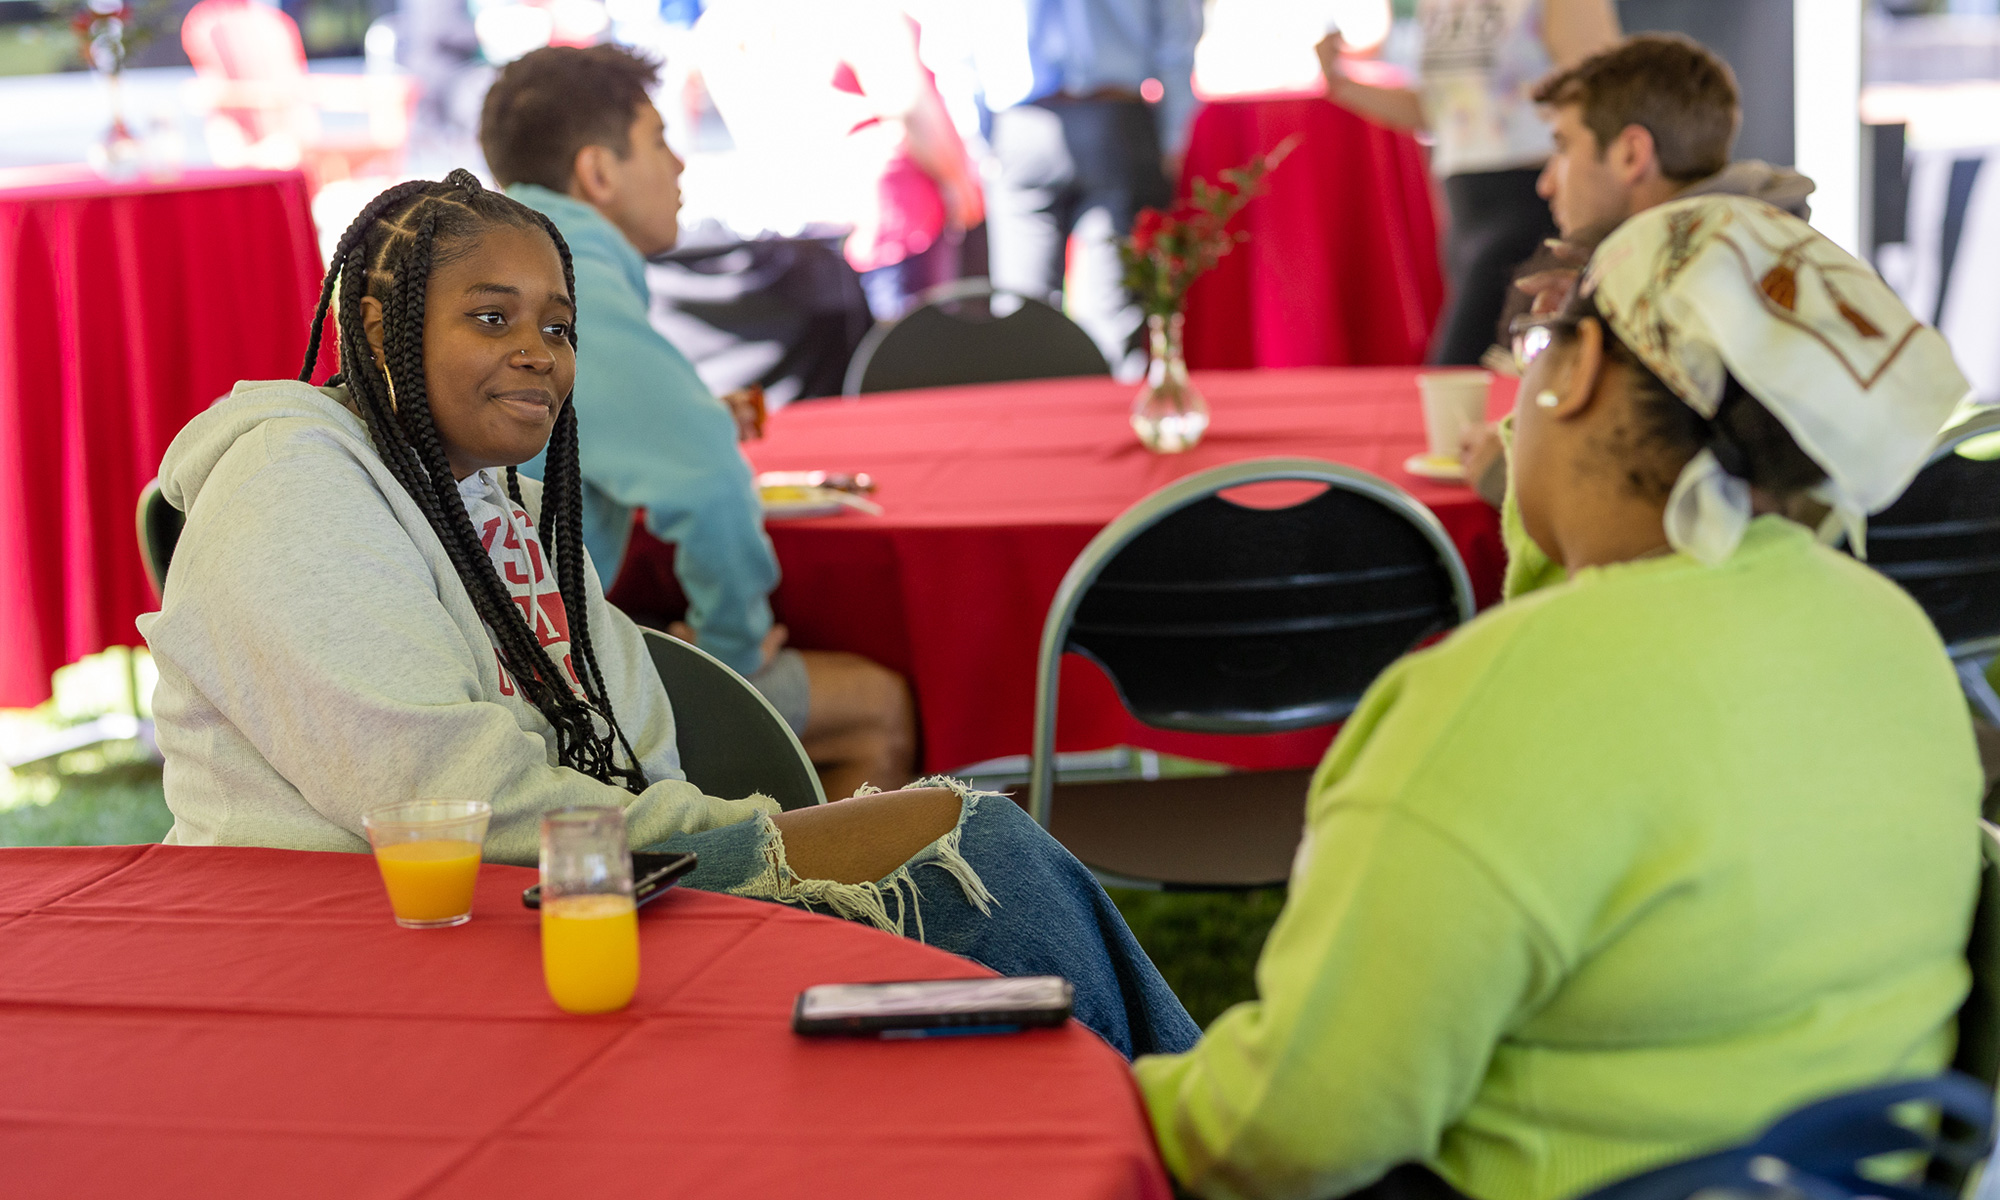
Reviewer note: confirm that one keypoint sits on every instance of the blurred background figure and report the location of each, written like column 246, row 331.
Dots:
column 1265, row 47
column 1479, row 62
column 1091, row 103
column 833, row 94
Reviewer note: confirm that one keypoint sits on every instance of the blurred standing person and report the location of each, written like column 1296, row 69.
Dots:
column 1481, row 60
column 836, row 91
column 1078, row 147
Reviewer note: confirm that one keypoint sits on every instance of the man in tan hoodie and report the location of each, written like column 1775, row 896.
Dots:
column 1649, row 120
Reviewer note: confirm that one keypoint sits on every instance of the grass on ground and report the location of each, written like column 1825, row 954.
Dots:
column 1205, row 943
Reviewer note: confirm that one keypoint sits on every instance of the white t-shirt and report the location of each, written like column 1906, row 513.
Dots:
column 1481, row 59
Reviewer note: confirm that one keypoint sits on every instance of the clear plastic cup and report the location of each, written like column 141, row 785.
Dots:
column 590, row 927
column 428, row 853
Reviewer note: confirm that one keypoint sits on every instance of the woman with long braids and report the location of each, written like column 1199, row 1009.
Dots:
column 368, row 603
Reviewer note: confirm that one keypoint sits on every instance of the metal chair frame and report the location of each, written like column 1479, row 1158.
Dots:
column 659, row 645
column 1105, row 547
column 1970, row 656
column 945, row 293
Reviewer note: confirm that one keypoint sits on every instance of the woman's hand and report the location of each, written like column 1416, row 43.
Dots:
column 1398, row 108
column 746, row 404
column 1329, row 49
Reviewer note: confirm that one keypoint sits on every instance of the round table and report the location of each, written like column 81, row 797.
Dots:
column 199, row 1022
column 1342, row 263
column 126, row 307
column 990, row 492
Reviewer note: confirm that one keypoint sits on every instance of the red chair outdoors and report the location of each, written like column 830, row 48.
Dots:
column 266, row 109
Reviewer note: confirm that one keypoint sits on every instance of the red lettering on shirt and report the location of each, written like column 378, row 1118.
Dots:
column 530, row 583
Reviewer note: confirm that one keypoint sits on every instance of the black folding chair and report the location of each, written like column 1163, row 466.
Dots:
column 966, row 332
column 1216, row 617
column 159, row 528
column 732, row 742
column 1941, row 541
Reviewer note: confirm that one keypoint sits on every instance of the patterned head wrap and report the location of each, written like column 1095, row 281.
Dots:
column 1727, row 284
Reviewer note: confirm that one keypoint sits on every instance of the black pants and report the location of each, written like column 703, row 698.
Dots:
column 1082, row 167
column 1407, row 1182
column 1497, row 223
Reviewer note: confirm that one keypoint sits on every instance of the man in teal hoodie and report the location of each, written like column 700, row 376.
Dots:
column 573, row 133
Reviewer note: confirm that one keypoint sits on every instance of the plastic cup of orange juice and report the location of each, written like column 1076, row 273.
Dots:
column 590, row 927
column 428, row 852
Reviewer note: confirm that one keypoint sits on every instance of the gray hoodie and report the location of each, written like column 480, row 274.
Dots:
column 318, row 655
column 1779, row 187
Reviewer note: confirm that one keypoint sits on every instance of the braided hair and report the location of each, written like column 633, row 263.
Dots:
column 389, row 252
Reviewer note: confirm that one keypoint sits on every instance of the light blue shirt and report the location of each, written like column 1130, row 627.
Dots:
column 651, row 435
column 1031, row 49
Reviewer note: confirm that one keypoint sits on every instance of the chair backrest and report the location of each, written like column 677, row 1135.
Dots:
column 1217, row 617
column 968, row 333
column 243, row 40
column 159, row 528
column 1823, row 1150
column 732, row 742
column 1979, row 1017
column 246, row 42
column 1941, row 539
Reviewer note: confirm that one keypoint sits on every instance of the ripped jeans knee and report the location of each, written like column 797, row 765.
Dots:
column 870, row 902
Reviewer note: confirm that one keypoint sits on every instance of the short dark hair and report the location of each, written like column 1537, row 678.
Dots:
column 1744, row 436
column 550, row 103
column 1671, row 86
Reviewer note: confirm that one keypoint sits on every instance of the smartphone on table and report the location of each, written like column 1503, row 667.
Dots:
column 933, row 1007
column 652, row 875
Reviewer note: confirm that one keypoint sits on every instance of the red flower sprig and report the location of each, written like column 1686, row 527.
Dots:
column 1166, row 252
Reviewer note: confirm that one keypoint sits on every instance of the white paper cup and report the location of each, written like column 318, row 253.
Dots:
column 1454, row 402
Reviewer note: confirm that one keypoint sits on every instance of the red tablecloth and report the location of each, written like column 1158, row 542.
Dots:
column 989, row 494
column 1342, row 263
column 125, row 309
column 183, row 1022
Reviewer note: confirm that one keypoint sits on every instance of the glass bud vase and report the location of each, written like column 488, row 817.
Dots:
column 1169, row 415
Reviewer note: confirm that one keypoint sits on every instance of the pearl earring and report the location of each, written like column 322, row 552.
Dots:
column 1547, row 399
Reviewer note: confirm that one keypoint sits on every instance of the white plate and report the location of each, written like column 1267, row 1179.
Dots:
column 1431, row 467
column 789, row 503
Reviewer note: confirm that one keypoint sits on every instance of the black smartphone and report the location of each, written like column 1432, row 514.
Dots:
column 934, row 1007
column 652, row 875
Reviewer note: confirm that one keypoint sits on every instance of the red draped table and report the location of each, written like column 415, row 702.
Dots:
column 200, row 1022
column 990, row 492
column 125, row 309
column 1342, row 263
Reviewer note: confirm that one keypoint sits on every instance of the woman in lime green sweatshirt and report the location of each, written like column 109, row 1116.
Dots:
column 1627, row 867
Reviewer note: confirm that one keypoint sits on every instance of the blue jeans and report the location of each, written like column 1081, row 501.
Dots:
column 998, row 890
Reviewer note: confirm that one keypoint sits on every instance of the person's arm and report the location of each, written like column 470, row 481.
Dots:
column 882, row 52
column 1177, row 31
column 649, row 435
column 1398, row 108
column 324, row 640
column 1396, row 967
column 1573, row 30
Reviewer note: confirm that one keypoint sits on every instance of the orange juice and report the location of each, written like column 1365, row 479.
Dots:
column 429, row 881
column 590, row 952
